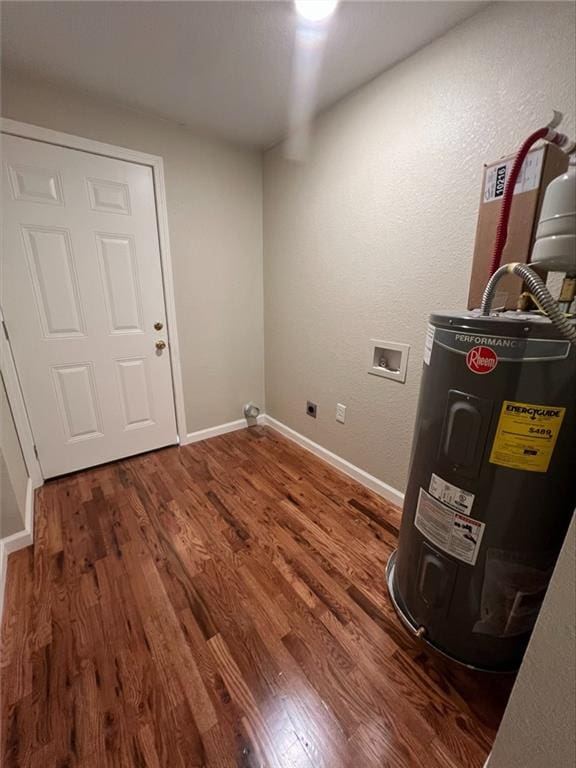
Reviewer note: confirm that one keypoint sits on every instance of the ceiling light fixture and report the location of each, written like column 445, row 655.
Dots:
column 315, row 10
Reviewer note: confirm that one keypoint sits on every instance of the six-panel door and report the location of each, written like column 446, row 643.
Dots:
column 81, row 292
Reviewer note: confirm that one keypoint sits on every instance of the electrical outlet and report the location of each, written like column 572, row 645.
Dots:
column 311, row 409
column 340, row 413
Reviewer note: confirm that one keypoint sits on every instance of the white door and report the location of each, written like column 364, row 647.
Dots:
column 82, row 295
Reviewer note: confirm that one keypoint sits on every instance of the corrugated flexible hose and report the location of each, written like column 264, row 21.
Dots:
column 538, row 288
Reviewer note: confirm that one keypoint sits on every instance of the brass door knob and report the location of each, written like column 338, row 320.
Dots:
column 161, row 344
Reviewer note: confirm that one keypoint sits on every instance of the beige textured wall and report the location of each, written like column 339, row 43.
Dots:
column 539, row 726
column 377, row 228
column 214, row 194
column 13, row 472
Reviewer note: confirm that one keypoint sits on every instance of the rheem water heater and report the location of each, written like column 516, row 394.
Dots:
column 492, row 488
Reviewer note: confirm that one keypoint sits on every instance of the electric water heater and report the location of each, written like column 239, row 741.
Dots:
column 492, row 484
column 491, row 489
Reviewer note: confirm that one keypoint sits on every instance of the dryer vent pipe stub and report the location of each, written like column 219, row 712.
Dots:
column 251, row 411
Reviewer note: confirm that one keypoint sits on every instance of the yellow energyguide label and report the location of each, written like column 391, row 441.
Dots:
column 526, row 436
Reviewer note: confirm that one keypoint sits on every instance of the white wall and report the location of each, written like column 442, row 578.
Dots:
column 214, row 194
column 377, row 228
column 539, row 726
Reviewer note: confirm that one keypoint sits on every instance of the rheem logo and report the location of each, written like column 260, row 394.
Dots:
column 481, row 360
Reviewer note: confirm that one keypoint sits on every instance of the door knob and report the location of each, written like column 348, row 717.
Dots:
column 161, row 344
column 158, row 326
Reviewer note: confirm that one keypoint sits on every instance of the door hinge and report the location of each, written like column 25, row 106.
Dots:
column 5, row 330
column 36, row 452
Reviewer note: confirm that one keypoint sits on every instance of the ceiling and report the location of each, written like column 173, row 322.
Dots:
column 222, row 67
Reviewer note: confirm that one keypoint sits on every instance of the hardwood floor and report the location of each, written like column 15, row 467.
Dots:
column 224, row 605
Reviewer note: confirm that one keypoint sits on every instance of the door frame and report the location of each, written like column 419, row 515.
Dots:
column 18, row 407
column 156, row 164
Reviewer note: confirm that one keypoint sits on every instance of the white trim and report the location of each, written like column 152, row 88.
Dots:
column 376, row 485
column 25, row 537
column 155, row 162
column 221, row 429
column 364, row 478
column 169, row 297
column 17, row 540
column 18, row 408
column 48, row 136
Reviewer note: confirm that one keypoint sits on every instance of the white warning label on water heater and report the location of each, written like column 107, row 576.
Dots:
column 456, row 498
column 454, row 533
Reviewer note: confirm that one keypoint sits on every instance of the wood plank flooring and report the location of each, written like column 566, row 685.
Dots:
column 224, row 605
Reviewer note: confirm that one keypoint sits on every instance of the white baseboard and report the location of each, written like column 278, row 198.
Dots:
column 29, row 509
column 17, row 540
column 364, row 478
column 221, row 429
